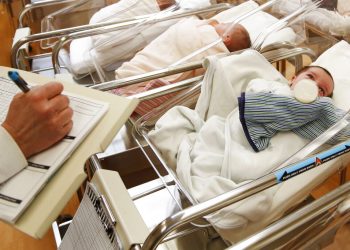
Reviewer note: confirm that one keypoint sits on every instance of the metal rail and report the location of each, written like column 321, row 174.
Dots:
column 39, row 4
column 120, row 24
column 115, row 27
column 168, row 89
column 147, row 76
column 290, row 18
column 295, row 220
column 271, row 55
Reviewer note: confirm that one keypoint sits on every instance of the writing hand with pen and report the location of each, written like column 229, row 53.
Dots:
column 39, row 118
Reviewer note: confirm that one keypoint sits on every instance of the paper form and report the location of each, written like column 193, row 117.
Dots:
column 87, row 230
column 18, row 191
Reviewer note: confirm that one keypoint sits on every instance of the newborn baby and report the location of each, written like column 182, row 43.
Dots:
column 266, row 107
column 177, row 42
column 305, row 86
column 181, row 40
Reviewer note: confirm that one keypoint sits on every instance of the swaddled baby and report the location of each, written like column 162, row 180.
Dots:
column 208, row 149
column 268, row 107
column 178, row 41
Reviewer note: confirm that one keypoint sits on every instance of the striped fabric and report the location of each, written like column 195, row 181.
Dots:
column 146, row 106
column 262, row 115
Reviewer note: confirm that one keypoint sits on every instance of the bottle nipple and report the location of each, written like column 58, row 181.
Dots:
column 306, row 91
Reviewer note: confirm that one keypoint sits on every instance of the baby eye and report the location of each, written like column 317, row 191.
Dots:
column 310, row 76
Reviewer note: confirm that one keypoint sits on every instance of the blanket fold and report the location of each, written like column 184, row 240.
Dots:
column 226, row 78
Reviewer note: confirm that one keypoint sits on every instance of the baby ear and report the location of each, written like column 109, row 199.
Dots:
column 213, row 22
column 290, row 83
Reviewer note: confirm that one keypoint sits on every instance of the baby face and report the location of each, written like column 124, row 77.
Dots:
column 323, row 81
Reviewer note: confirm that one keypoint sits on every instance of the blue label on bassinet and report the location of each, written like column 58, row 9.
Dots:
column 312, row 162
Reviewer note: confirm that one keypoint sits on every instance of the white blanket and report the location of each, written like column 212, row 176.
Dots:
column 178, row 41
column 227, row 77
column 210, row 152
column 224, row 80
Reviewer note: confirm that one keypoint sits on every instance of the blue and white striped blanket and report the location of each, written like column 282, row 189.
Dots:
column 264, row 114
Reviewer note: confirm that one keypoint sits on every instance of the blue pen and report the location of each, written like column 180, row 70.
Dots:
column 19, row 81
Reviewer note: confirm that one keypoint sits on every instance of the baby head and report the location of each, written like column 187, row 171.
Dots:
column 235, row 37
column 163, row 4
column 319, row 75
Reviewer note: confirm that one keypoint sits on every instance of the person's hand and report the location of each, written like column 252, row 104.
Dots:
column 163, row 4
column 39, row 118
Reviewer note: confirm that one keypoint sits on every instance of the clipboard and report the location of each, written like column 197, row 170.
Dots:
column 47, row 205
column 106, row 217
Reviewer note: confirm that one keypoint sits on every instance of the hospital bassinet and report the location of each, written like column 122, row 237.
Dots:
column 144, row 132
column 43, row 17
column 324, row 26
column 60, row 64
column 60, row 59
column 170, row 179
column 269, row 31
column 20, row 48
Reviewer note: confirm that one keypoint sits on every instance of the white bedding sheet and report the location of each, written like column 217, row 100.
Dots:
column 211, row 155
